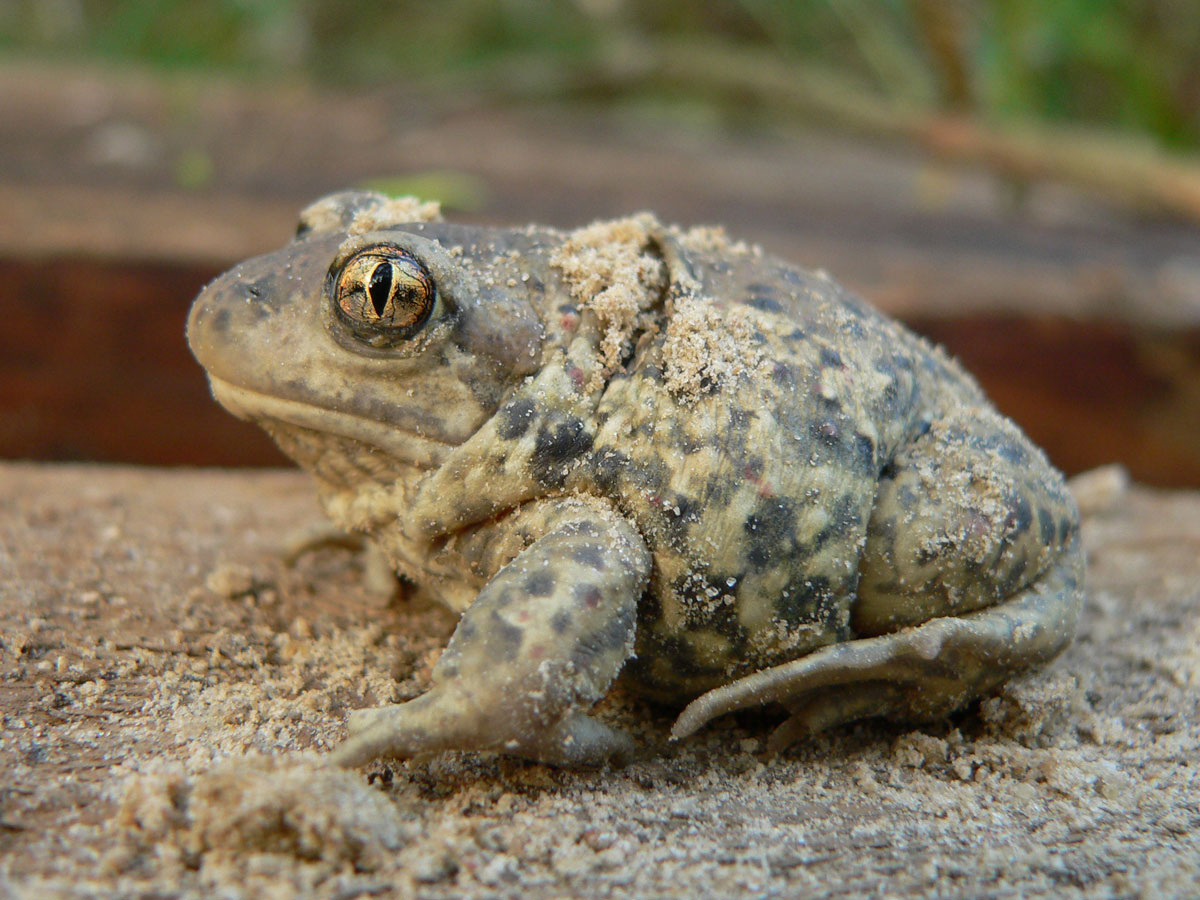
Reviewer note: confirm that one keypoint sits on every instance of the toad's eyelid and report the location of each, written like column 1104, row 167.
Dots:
column 378, row 244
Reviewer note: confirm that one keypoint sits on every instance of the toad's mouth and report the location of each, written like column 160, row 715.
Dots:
column 328, row 426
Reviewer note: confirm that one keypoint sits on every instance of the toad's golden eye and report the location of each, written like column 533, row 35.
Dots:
column 384, row 288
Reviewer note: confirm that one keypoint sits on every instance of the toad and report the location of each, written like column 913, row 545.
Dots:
column 643, row 453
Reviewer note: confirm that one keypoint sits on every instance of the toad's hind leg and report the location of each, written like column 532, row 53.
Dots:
column 540, row 644
column 972, row 571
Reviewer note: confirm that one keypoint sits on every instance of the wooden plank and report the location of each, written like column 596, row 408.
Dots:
column 182, row 773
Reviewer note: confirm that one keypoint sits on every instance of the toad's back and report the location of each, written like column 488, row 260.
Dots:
column 747, row 440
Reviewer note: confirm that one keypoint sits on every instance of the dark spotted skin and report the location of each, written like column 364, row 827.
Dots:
column 770, row 530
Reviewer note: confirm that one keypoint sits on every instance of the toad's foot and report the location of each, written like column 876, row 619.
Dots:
column 540, row 644
column 438, row 721
column 921, row 673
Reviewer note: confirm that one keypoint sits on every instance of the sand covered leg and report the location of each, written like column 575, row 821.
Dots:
column 972, row 571
column 540, row 644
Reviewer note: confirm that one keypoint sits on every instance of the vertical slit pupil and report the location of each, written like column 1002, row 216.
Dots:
column 380, row 287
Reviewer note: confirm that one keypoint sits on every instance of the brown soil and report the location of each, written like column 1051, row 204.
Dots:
column 168, row 684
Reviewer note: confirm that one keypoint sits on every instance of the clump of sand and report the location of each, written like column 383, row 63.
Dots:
column 391, row 211
column 614, row 269
column 225, row 820
column 361, row 211
column 706, row 344
column 611, row 269
column 713, row 239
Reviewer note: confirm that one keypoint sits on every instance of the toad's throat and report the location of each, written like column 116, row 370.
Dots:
column 326, row 428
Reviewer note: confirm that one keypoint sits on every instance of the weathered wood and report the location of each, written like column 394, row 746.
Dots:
column 153, row 645
column 95, row 367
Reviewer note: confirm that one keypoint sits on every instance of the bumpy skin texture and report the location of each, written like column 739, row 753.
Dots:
column 746, row 487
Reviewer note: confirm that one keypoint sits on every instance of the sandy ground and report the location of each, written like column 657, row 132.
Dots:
column 167, row 685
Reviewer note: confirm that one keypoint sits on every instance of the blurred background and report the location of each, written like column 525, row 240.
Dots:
column 1017, row 179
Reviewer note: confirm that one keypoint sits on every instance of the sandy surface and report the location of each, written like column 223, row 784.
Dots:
column 167, row 685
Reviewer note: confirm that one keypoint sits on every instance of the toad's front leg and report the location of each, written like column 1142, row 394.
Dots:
column 540, row 644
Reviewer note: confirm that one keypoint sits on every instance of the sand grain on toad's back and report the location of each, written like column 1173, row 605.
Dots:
column 610, row 271
column 407, row 209
column 706, row 345
column 708, row 342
